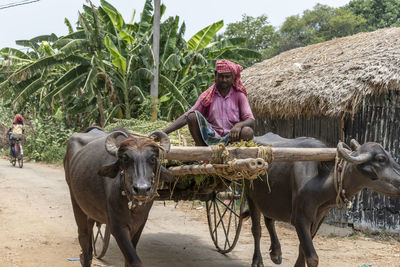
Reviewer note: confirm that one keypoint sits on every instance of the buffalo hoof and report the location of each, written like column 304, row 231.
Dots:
column 276, row 258
column 257, row 264
column 85, row 263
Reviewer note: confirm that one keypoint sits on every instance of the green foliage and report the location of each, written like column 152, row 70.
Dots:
column 295, row 33
column 202, row 38
column 102, row 70
column 118, row 60
column 378, row 13
column 6, row 114
column 320, row 24
column 257, row 31
column 46, row 140
column 344, row 23
column 145, row 127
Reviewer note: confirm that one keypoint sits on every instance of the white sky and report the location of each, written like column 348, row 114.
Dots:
column 47, row 16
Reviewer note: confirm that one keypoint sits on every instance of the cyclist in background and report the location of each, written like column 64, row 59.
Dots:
column 15, row 132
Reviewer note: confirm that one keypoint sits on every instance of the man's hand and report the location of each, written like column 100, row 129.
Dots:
column 155, row 138
column 235, row 132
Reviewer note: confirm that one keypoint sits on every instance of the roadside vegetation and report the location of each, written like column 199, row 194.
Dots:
column 99, row 72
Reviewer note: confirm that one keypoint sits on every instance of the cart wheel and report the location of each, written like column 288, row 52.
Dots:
column 20, row 161
column 100, row 239
column 223, row 215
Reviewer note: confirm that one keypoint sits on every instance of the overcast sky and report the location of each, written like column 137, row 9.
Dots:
column 47, row 16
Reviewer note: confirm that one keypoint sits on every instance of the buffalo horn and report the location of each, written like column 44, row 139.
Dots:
column 164, row 140
column 111, row 144
column 354, row 144
column 364, row 157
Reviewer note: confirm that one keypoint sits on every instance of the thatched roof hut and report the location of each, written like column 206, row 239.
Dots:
column 337, row 90
column 328, row 79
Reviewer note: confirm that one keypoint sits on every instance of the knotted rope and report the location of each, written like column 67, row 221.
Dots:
column 265, row 152
column 341, row 199
column 219, row 153
column 234, row 172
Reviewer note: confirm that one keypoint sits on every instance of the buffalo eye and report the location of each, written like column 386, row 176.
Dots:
column 152, row 159
column 381, row 159
column 125, row 158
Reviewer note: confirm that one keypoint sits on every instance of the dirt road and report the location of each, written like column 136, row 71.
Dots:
column 37, row 229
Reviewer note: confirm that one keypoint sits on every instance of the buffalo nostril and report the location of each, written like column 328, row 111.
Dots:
column 149, row 191
column 134, row 191
column 142, row 190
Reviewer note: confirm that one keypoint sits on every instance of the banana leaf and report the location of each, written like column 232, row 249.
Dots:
column 202, row 38
column 71, row 74
column 31, row 89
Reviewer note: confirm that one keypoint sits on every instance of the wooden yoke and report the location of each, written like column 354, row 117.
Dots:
column 200, row 153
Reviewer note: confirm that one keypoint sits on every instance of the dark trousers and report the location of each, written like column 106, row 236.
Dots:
column 13, row 148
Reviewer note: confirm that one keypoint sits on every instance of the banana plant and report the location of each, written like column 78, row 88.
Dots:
column 187, row 68
column 130, row 54
column 102, row 68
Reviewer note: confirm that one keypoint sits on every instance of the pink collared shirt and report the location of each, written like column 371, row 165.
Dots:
column 224, row 112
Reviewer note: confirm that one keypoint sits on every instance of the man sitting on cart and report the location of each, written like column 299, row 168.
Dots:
column 222, row 113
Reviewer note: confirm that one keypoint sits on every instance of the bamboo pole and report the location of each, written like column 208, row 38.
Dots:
column 249, row 165
column 198, row 153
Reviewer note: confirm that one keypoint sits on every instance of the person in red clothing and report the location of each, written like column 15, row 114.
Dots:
column 222, row 113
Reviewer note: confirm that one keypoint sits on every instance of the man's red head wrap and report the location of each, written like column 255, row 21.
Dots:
column 223, row 66
column 18, row 119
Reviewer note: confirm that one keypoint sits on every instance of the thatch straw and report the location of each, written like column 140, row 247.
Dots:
column 328, row 78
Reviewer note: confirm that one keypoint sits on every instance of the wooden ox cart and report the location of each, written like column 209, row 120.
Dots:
column 222, row 170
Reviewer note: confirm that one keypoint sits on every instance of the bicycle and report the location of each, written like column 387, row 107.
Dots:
column 18, row 152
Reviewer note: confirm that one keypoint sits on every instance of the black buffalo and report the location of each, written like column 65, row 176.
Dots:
column 303, row 192
column 112, row 179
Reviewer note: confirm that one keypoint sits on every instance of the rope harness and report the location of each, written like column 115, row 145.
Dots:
column 220, row 155
column 265, row 152
column 338, row 175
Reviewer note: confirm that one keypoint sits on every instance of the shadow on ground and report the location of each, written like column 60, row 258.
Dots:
column 174, row 250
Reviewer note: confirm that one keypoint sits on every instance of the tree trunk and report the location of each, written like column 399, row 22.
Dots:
column 102, row 121
column 68, row 121
column 127, row 106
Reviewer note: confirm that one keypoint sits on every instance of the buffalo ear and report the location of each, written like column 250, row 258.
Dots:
column 110, row 170
column 166, row 175
column 368, row 170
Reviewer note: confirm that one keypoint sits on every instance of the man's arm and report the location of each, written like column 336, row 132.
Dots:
column 249, row 122
column 237, row 128
column 246, row 117
column 182, row 121
column 177, row 124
